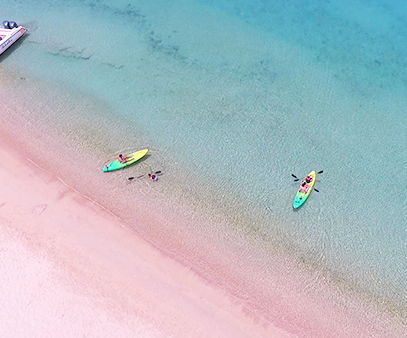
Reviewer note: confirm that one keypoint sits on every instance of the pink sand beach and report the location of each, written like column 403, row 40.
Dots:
column 70, row 269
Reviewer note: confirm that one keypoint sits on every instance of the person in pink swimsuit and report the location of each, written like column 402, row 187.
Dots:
column 122, row 158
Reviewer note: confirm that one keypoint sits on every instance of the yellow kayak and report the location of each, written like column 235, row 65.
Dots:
column 131, row 158
column 304, row 192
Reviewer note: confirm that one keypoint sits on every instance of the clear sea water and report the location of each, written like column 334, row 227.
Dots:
column 245, row 93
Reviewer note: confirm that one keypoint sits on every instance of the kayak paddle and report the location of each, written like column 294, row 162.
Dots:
column 155, row 173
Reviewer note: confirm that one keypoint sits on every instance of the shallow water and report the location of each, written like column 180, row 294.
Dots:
column 242, row 94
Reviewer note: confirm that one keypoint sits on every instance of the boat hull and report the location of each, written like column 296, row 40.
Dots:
column 9, row 37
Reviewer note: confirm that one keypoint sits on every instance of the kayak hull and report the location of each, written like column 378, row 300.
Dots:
column 301, row 197
column 131, row 158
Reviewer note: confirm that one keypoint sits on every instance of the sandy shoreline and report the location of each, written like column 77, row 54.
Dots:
column 70, row 268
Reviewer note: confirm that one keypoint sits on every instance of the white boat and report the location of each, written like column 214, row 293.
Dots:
column 10, row 32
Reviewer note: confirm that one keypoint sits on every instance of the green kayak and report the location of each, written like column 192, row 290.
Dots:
column 303, row 194
column 131, row 158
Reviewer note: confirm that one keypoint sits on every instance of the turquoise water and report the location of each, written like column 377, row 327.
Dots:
column 245, row 93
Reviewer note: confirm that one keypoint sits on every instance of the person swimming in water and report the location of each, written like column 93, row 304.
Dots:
column 153, row 177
